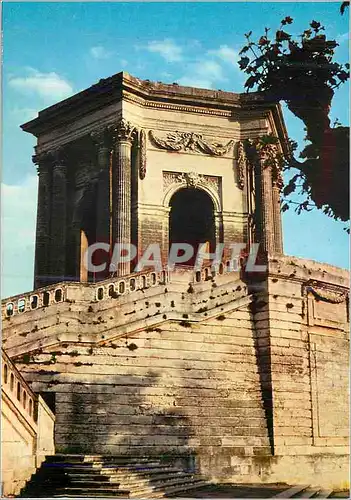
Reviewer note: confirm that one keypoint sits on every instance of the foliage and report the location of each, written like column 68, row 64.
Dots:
column 302, row 73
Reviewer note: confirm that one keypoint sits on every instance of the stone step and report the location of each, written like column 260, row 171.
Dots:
column 99, row 467
column 290, row 492
column 157, row 479
column 96, row 458
column 309, row 492
column 174, row 490
column 163, row 486
column 89, row 476
column 92, row 492
column 141, row 469
column 324, row 493
column 84, row 483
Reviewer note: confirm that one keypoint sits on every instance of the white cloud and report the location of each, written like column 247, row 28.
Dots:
column 189, row 81
column 203, row 74
column 226, row 54
column 18, row 206
column 49, row 86
column 24, row 114
column 167, row 49
column 99, row 52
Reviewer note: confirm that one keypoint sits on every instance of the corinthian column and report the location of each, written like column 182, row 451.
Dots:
column 58, row 217
column 121, row 189
column 266, row 201
column 277, row 219
column 43, row 220
column 101, row 138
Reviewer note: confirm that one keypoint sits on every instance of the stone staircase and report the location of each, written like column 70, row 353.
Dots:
column 82, row 476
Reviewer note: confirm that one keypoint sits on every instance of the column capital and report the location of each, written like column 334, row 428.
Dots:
column 54, row 157
column 102, row 137
column 123, row 131
column 59, row 157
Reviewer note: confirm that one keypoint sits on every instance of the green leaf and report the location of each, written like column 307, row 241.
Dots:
column 251, row 81
column 287, row 20
column 263, row 41
column 243, row 62
column 315, row 25
column 244, row 49
column 282, row 36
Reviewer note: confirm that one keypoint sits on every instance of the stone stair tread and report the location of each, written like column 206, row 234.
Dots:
column 156, row 479
column 141, row 470
column 160, row 484
column 290, row 492
column 324, row 493
column 92, row 491
column 170, row 485
column 309, row 492
column 83, row 495
column 185, row 488
column 88, row 477
column 88, row 484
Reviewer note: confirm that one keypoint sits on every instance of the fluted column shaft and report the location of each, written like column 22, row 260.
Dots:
column 103, row 206
column 42, row 243
column 58, row 220
column 277, row 219
column 121, row 190
column 267, row 224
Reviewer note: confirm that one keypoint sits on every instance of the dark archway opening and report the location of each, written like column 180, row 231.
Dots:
column 191, row 220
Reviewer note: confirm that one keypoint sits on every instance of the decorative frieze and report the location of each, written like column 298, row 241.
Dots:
column 190, row 142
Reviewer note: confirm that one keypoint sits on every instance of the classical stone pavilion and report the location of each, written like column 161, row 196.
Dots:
column 242, row 377
column 133, row 161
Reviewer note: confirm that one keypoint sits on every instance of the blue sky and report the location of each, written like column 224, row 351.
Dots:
column 53, row 50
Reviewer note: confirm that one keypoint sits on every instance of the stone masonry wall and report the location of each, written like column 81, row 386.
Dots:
column 250, row 379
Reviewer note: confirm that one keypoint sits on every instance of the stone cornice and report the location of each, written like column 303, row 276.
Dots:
column 124, row 86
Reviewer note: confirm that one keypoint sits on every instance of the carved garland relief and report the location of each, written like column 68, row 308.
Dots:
column 193, row 180
column 327, row 307
column 189, row 141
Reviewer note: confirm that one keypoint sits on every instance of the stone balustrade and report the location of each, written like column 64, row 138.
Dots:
column 16, row 388
column 42, row 297
column 111, row 288
column 27, row 429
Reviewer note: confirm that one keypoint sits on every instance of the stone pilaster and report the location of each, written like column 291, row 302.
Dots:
column 58, row 217
column 42, row 244
column 121, row 188
column 102, row 140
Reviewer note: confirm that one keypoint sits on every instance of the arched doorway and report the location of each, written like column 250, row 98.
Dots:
column 191, row 219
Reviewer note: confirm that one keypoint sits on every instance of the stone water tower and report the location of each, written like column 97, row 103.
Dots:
column 132, row 161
